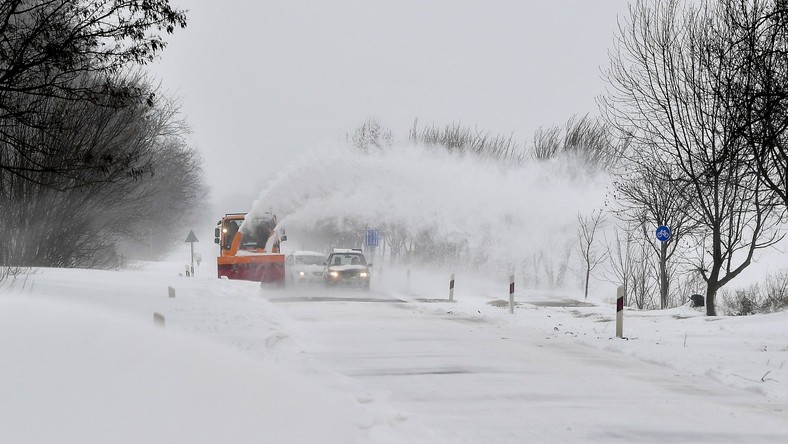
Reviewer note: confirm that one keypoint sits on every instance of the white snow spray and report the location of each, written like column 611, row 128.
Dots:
column 499, row 213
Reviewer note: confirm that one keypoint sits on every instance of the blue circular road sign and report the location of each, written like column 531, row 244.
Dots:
column 663, row 233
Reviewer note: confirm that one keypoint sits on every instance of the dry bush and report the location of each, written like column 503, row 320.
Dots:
column 463, row 140
column 769, row 296
column 371, row 135
column 587, row 138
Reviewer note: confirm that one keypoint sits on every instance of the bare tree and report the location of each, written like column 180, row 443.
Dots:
column 585, row 137
column 631, row 263
column 756, row 81
column 82, row 225
column 531, row 269
column 48, row 48
column 650, row 194
column 667, row 87
column 458, row 139
column 371, row 135
column 590, row 253
column 621, row 255
column 642, row 284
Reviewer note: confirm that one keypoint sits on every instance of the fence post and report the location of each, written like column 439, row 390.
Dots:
column 451, row 288
column 620, row 311
column 511, row 293
column 158, row 320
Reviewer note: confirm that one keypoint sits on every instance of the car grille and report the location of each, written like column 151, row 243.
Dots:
column 350, row 273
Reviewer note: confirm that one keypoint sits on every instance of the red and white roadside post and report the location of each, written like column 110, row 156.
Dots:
column 620, row 312
column 511, row 294
column 451, row 288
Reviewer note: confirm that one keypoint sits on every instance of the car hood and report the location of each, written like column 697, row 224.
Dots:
column 308, row 267
column 346, row 267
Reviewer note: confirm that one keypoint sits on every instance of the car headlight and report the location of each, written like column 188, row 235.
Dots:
column 333, row 274
column 364, row 274
column 301, row 273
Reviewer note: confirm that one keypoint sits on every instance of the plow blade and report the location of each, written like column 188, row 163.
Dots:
column 268, row 268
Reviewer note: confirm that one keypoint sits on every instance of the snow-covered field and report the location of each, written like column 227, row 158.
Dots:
column 82, row 361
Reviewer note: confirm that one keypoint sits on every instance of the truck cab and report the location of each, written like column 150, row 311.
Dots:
column 249, row 249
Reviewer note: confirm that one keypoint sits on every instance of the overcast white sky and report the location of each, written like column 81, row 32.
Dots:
column 262, row 81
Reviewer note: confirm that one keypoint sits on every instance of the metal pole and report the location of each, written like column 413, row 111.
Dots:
column 191, row 245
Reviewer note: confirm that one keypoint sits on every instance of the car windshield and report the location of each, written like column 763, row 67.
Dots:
column 310, row 260
column 347, row 259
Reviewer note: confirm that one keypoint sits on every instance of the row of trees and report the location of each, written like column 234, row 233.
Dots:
column 694, row 130
column 91, row 153
column 699, row 91
column 585, row 137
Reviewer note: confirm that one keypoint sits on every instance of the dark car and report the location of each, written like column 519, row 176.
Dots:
column 347, row 267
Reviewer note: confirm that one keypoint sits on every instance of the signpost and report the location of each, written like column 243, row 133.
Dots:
column 371, row 240
column 663, row 233
column 191, row 239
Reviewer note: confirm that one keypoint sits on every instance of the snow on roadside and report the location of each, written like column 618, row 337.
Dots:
column 747, row 352
column 83, row 362
column 81, row 355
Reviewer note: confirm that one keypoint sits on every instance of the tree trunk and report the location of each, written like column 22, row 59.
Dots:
column 712, row 285
column 711, row 310
column 588, row 276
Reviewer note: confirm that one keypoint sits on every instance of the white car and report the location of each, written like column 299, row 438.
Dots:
column 304, row 267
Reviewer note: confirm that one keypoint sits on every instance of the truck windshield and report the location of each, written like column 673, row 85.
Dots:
column 257, row 233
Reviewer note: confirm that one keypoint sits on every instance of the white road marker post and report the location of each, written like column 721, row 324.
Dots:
column 408, row 280
column 511, row 294
column 620, row 311
column 171, row 292
column 451, row 288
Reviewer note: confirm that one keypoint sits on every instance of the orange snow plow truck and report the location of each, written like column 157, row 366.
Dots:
column 244, row 249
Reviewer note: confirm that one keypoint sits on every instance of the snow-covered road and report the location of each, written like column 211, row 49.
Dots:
column 81, row 358
column 476, row 378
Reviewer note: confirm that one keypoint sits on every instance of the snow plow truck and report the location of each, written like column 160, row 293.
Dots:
column 249, row 249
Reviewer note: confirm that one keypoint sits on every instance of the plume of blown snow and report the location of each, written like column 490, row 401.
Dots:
column 507, row 211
